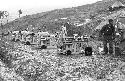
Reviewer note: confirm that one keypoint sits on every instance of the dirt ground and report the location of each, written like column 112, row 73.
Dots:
column 29, row 64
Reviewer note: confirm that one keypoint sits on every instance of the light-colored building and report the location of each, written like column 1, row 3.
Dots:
column 20, row 35
column 75, row 45
column 31, row 38
column 42, row 38
column 16, row 35
column 38, row 39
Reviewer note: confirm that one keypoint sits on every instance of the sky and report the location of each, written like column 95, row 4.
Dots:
column 37, row 6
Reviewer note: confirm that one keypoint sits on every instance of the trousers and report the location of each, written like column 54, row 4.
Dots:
column 108, row 48
column 108, row 45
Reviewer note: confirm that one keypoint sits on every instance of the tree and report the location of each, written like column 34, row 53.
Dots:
column 20, row 12
column 3, row 14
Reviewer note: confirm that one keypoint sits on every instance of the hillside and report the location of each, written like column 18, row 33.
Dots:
column 53, row 20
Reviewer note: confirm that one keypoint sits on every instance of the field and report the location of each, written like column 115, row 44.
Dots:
column 28, row 64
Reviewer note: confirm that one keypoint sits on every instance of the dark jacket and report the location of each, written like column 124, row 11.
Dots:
column 108, row 34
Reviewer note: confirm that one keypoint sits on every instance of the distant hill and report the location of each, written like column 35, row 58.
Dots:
column 53, row 20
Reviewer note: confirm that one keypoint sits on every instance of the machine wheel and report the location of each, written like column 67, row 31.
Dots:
column 27, row 43
column 61, row 47
column 17, row 40
column 13, row 39
column 61, row 53
column 43, row 47
column 68, row 52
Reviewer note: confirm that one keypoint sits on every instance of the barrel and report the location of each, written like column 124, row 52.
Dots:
column 88, row 51
column 117, row 51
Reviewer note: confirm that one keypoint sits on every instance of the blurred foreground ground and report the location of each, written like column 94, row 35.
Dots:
column 28, row 64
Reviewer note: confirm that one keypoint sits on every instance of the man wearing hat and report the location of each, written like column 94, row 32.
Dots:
column 108, row 33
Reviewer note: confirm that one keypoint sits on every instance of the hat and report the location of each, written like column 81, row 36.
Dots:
column 110, row 20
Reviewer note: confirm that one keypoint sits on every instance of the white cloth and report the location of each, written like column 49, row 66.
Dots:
column 100, row 49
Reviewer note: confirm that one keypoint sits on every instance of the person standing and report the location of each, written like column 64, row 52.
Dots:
column 108, row 33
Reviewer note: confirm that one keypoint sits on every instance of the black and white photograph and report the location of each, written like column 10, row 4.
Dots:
column 62, row 40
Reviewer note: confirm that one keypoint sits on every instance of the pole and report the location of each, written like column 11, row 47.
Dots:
column 114, row 40
column 19, row 15
column 2, row 28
